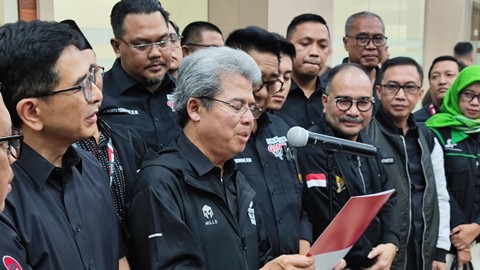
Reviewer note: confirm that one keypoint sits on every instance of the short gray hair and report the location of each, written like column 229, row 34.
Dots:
column 362, row 14
column 201, row 73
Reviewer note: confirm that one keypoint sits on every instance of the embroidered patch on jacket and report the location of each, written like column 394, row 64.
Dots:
column 251, row 213
column 208, row 214
column 243, row 160
column 316, row 180
column 340, row 183
column 449, row 146
column 121, row 110
column 10, row 263
column 275, row 146
column 388, row 160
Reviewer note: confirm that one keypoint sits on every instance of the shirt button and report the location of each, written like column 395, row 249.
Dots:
column 273, row 192
column 265, row 164
column 78, row 229
column 280, row 221
column 90, row 266
column 157, row 120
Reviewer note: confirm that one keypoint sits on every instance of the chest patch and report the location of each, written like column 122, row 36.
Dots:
column 275, row 146
column 387, row 160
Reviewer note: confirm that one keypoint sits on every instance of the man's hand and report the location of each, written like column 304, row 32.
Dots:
column 463, row 257
column 290, row 262
column 384, row 254
column 463, row 235
column 436, row 265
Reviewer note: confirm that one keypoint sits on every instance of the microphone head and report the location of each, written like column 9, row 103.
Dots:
column 297, row 136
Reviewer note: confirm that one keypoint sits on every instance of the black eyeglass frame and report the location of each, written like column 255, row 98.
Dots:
column 467, row 91
column 267, row 85
column 14, row 137
column 356, row 101
column 256, row 111
column 400, row 86
column 367, row 40
column 86, row 85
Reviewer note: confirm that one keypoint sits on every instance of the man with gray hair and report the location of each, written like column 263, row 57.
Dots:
column 190, row 208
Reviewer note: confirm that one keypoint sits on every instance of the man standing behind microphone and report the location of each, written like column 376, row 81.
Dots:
column 348, row 104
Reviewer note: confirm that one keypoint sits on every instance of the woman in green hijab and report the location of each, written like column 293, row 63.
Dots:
column 457, row 127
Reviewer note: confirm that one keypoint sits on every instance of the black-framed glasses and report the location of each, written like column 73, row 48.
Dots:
column 345, row 103
column 363, row 40
column 86, row 85
column 175, row 39
column 14, row 142
column 468, row 96
column 143, row 47
column 201, row 45
column 409, row 88
column 273, row 87
column 239, row 108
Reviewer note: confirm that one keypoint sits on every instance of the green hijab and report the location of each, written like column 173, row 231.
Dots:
column 450, row 115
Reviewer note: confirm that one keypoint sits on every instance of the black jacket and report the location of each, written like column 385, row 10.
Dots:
column 178, row 218
column 273, row 175
column 382, row 230
column 463, row 177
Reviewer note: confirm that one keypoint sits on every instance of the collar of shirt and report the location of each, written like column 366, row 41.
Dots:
column 390, row 126
column 123, row 82
column 198, row 160
column 296, row 90
column 39, row 169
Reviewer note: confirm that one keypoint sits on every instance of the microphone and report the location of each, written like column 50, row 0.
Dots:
column 300, row 137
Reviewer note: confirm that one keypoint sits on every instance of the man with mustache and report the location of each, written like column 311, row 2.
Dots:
column 348, row 105
column 310, row 35
column 413, row 161
column 138, row 89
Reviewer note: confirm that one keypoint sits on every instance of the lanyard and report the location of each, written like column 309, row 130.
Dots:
column 111, row 159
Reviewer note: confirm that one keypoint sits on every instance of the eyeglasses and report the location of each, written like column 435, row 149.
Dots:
column 409, row 88
column 201, row 45
column 175, row 40
column 143, row 47
column 86, row 85
column 363, row 40
column 345, row 103
column 469, row 96
column 273, row 87
column 14, row 142
column 239, row 109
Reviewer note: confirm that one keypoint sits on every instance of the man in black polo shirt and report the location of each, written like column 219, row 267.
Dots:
column 60, row 210
column 138, row 89
column 310, row 35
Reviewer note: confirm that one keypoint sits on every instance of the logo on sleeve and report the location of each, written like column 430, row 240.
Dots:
column 341, row 186
column 208, row 214
column 251, row 213
column 10, row 263
column 275, row 146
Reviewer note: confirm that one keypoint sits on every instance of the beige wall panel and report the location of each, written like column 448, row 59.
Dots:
column 445, row 25
column 233, row 14
column 8, row 11
column 281, row 12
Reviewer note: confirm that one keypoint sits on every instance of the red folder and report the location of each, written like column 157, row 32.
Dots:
column 345, row 229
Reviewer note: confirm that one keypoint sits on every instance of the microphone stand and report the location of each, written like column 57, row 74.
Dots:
column 330, row 181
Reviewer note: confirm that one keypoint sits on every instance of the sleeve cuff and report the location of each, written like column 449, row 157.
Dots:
column 440, row 255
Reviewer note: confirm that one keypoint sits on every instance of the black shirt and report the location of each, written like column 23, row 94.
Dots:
column 127, row 102
column 60, row 218
column 274, row 177
column 305, row 111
